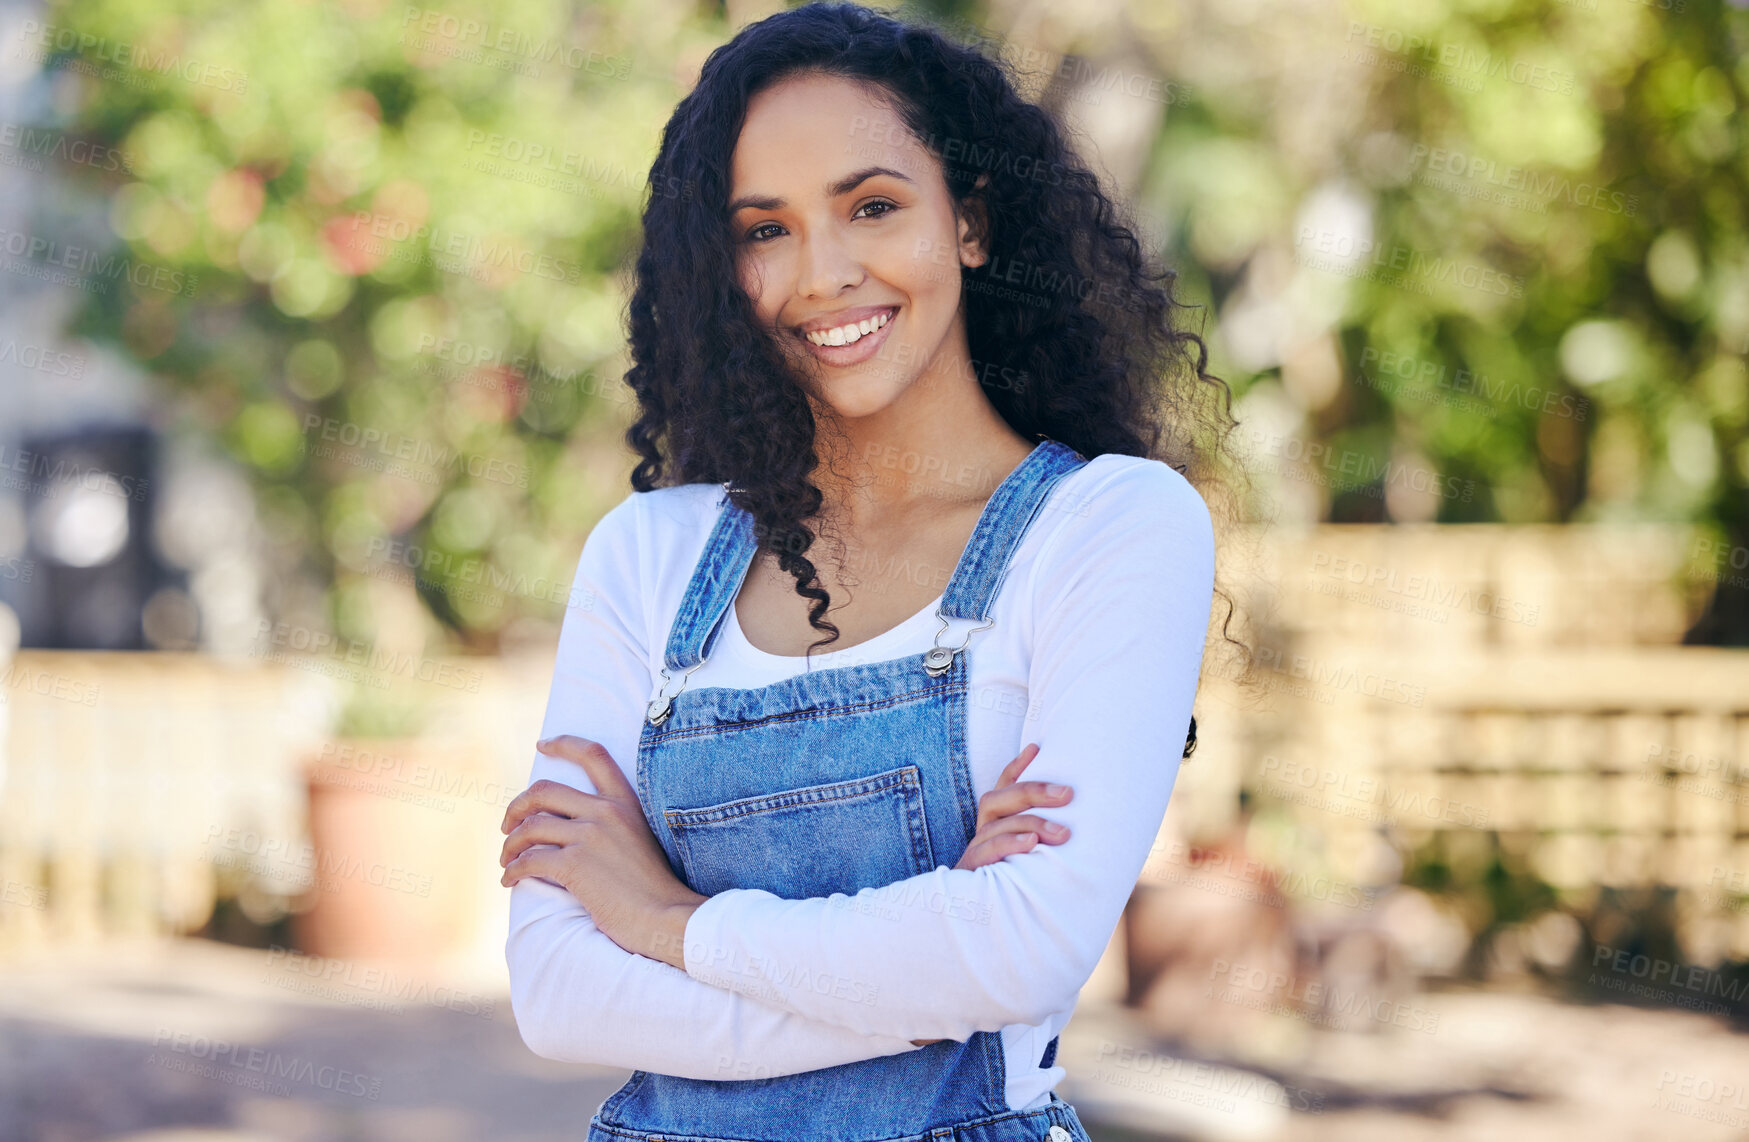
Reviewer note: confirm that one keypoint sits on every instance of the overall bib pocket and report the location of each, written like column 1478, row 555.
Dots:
column 813, row 841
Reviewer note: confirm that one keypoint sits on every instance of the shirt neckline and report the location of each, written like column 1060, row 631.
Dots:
column 745, row 646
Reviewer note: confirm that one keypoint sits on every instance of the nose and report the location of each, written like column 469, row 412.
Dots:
column 827, row 267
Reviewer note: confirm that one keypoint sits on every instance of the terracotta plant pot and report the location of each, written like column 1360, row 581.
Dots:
column 403, row 832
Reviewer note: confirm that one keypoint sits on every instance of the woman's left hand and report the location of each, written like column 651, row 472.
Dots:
column 599, row 847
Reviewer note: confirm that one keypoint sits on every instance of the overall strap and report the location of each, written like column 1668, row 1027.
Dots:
column 1017, row 500
column 716, row 580
column 728, row 555
column 984, row 564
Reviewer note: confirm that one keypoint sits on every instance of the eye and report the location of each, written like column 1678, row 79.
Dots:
column 885, row 208
column 764, row 232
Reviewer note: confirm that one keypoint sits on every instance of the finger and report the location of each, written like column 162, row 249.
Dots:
column 1000, row 803
column 1048, row 831
column 1011, row 772
column 540, row 863
column 538, row 829
column 1049, row 793
column 609, row 780
column 993, row 850
column 553, row 797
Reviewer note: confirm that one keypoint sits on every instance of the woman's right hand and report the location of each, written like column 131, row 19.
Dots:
column 1004, row 825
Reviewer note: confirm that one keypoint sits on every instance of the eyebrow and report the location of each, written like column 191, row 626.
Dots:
column 843, row 186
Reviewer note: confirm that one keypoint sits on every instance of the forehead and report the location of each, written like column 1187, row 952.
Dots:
column 805, row 130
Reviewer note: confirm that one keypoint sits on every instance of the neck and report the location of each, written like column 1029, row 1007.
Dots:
column 940, row 444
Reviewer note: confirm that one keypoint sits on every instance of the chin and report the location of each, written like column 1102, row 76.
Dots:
column 850, row 400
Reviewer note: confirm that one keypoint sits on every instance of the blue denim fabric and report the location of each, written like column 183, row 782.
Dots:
column 828, row 782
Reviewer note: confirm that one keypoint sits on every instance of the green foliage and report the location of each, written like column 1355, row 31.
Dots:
column 1555, row 301
column 405, row 227
column 1553, row 309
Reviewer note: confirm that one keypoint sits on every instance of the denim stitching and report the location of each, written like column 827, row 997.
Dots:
column 682, row 733
column 1055, row 1112
column 908, row 776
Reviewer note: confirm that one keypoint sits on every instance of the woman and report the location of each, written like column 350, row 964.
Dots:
column 898, row 363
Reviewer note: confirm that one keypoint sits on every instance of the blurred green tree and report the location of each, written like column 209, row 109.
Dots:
column 398, row 232
column 1490, row 257
column 1477, row 260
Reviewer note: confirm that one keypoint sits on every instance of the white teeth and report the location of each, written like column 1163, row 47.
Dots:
column 847, row 334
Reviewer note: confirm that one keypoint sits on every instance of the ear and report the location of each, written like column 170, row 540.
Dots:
column 974, row 225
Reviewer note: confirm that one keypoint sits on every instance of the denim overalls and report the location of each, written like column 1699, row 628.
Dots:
column 827, row 782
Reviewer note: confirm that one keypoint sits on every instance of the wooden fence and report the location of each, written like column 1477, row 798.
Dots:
column 1414, row 682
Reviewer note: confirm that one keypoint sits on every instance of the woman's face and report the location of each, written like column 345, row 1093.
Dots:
column 848, row 242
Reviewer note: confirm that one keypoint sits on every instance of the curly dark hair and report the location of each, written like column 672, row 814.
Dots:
column 1068, row 298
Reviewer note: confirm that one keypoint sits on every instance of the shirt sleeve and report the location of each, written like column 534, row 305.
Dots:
column 578, row 996
column 1120, row 606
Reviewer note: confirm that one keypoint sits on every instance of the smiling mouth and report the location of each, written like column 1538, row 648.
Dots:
column 851, row 331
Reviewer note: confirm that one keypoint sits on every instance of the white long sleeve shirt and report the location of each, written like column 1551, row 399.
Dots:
column 1094, row 654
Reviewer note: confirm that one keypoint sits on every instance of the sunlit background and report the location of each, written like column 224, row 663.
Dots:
column 310, row 359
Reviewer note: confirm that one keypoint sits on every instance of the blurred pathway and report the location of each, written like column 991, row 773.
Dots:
column 198, row 1041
